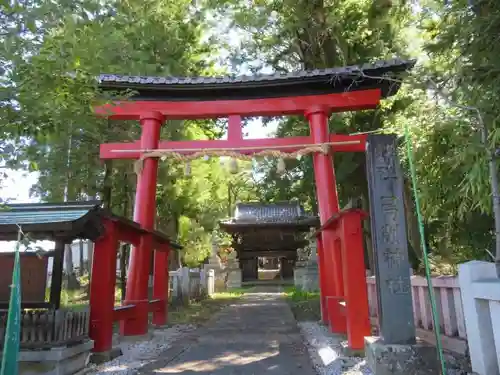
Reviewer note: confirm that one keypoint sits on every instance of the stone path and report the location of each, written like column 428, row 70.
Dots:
column 257, row 334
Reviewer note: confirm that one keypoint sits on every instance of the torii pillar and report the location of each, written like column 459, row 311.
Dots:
column 316, row 108
column 144, row 214
column 329, row 252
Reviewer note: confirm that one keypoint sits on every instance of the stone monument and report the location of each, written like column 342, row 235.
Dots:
column 396, row 351
column 300, row 264
column 310, row 278
column 215, row 264
column 233, row 276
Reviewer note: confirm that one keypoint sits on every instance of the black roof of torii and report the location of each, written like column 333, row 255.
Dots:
column 385, row 75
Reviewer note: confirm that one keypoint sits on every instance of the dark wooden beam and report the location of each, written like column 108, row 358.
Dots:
column 263, row 247
column 57, row 273
column 28, row 305
column 263, row 253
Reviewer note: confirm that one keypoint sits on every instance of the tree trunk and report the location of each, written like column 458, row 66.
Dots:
column 366, row 227
column 123, row 269
column 71, row 279
column 229, row 200
column 82, row 260
column 415, row 250
column 107, row 184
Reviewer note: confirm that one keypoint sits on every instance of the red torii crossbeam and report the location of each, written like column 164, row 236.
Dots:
column 235, row 140
column 343, row 102
column 316, row 108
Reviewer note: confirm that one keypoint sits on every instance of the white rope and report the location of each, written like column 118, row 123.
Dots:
column 208, row 149
column 233, row 152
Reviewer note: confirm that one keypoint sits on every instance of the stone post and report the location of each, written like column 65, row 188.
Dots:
column 395, row 352
column 233, row 272
column 480, row 291
column 203, row 283
column 210, row 282
column 215, row 264
column 185, row 292
column 299, row 269
column 310, row 281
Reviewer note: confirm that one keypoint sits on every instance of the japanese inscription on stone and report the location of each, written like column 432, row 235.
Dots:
column 392, row 269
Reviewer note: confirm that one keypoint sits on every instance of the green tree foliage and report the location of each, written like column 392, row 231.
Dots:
column 52, row 87
column 289, row 35
column 459, row 77
column 51, row 52
column 455, row 45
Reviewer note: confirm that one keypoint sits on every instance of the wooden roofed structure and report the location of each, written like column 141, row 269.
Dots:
column 68, row 221
column 61, row 223
column 65, row 222
column 274, row 230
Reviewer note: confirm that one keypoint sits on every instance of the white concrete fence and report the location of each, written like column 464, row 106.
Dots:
column 449, row 307
column 191, row 284
column 480, row 288
column 469, row 313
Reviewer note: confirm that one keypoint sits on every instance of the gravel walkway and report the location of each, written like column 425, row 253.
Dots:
column 255, row 335
column 139, row 353
column 326, row 353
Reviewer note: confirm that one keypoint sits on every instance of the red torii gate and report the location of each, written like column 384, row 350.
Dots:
column 315, row 95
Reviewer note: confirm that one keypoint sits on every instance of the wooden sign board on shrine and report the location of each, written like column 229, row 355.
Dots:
column 33, row 276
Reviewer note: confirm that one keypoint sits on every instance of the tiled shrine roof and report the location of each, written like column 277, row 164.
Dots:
column 47, row 221
column 270, row 215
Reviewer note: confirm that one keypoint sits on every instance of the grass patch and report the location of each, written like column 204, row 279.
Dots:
column 233, row 293
column 198, row 312
column 306, row 306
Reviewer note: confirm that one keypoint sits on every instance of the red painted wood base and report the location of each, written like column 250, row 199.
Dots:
column 102, row 289
column 354, row 270
column 133, row 317
column 160, row 286
column 348, row 309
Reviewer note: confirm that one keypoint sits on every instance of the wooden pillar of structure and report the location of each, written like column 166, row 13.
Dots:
column 102, row 289
column 57, row 274
column 160, row 284
column 355, row 290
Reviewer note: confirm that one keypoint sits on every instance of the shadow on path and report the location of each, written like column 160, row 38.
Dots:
column 255, row 335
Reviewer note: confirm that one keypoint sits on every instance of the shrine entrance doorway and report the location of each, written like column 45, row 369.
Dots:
column 269, row 234
column 313, row 94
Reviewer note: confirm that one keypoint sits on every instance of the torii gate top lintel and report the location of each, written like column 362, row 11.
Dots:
column 337, row 89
